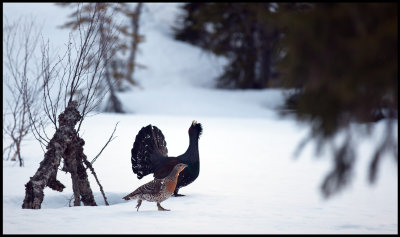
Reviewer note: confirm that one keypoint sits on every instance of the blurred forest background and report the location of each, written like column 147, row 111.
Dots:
column 338, row 60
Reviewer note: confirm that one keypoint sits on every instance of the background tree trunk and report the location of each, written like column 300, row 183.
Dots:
column 113, row 103
column 135, row 42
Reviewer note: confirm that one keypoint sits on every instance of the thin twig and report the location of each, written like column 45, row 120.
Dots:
column 109, row 140
column 89, row 164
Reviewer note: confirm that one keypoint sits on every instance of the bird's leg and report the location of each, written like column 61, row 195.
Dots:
column 160, row 208
column 139, row 202
column 176, row 193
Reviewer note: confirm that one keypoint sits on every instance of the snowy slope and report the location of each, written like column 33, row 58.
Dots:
column 249, row 181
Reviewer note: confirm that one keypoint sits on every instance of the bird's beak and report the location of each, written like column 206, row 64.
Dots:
column 194, row 122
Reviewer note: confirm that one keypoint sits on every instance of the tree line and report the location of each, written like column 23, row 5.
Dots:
column 339, row 60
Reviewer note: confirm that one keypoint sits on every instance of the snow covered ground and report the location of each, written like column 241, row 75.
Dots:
column 249, row 181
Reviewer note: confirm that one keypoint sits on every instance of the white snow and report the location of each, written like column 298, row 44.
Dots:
column 249, row 181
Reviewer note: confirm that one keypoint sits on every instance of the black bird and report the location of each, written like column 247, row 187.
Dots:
column 150, row 155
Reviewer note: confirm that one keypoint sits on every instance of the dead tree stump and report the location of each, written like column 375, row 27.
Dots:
column 68, row 145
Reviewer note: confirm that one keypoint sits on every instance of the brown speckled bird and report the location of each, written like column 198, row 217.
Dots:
column 157, row 190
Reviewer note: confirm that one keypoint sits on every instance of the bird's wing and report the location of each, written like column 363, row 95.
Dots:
column 151, row 187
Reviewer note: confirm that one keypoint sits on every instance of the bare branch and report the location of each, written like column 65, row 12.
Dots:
column 89, row 165
column 109, row 140
column 20, row 44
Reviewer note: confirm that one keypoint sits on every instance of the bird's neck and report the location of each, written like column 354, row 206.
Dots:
column 192, row 153
column 193, row 143
column 173, row 176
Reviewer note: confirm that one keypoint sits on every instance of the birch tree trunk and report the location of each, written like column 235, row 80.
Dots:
column 64, row 144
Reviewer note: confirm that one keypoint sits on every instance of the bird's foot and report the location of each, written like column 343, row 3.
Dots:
column 160, row 208
column 139, row 202
column 178, row 195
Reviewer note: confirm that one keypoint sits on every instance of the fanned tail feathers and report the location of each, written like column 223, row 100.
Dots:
column 148, row 150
